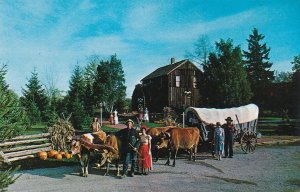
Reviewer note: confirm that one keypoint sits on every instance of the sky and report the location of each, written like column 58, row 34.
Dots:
column 53, row 36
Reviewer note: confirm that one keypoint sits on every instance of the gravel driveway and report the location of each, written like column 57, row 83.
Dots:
column 268, row 169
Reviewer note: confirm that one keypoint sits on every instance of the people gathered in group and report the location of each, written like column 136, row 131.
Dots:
column 136, row 145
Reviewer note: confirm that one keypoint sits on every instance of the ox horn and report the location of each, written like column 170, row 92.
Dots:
column 167, row 135
column 103, row 159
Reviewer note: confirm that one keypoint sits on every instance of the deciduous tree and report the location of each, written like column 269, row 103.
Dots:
column 225, row 81
column 109, row 86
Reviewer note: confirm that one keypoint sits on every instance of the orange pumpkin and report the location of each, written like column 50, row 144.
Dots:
column 52, row 153
column 68, row 155
column 42, row 155
column 62, row 153
column 58, row 156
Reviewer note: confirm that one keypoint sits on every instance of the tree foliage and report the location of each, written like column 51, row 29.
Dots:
column 202, row 48
column 225, row 81
column 35, row 99
column 75, row 98
column 13, row 121
column 282, row 77
column 258, row 67
column 137, row 97
column 296, row 64
column 109, row 86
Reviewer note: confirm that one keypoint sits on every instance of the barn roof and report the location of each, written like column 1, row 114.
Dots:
column 165, row 70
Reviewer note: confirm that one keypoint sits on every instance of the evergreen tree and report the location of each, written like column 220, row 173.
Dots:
column 3, row 72
column 109, row 86
column 296, row 64
column 224, row 78
column 258, row 67
column 295, row 89
column 88, row 99
column 90, row 74
column 75, row 98
column 137, row 97
column 13, row 121
column 35, row 99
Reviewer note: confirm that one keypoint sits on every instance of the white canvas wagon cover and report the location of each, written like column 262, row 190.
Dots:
column 245, row 114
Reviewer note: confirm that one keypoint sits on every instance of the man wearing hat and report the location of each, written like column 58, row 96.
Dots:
column 129, row 148
column 229, row 137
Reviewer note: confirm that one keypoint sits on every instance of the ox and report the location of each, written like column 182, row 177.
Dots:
column 84, row 146
column 155, row 133
column 180, row 138
column 112, row 153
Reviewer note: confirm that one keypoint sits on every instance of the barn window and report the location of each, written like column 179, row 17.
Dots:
column 177, row 81
column 194, row 82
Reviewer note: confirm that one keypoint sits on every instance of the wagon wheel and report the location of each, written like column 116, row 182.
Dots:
column 248, row 142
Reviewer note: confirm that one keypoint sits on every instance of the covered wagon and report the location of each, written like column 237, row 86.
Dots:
column 244, row 118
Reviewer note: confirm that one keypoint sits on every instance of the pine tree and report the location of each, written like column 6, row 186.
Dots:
column 3, row 72
column 35, row 99
column 258, row 67
column 295, row 89
column 13, row 121
column 90, row 74
column 75, row 98
column 224, row 78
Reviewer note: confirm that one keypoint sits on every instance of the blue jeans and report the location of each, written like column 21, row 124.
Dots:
column 130, row 157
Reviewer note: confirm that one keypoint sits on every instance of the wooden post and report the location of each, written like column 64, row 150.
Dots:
column 183, row 120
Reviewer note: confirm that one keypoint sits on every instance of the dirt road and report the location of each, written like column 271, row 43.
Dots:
column 268, row 169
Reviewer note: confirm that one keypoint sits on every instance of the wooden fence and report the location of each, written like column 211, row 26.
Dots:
column 23, row 147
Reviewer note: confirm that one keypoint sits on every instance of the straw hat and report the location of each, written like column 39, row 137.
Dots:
column 129, row 120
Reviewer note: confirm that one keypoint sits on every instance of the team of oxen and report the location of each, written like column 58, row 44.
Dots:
column 106, row 147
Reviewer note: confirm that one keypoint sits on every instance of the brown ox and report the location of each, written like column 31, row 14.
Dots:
column 155, row 132
column 84, row 146
column 180, row 138
column 111, row 154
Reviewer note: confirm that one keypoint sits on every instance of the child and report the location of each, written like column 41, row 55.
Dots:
column 219, row 137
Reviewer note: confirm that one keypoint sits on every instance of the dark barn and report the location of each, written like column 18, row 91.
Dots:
column 174, row 85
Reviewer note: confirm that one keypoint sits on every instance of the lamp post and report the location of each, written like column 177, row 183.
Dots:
column 101, row 105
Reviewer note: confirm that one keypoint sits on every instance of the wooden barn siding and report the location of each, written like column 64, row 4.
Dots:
column 176, row 94
column 156, row 93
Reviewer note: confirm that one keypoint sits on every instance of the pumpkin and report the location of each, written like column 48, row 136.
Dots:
column 52, row 153
column 62, row 153
column 58, row 156
column 68, row 155
column 42, row 155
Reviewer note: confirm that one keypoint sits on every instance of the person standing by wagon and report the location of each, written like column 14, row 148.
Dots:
column 145, row 157
column 130, row 145
column 229, row 137
column 219, row 137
